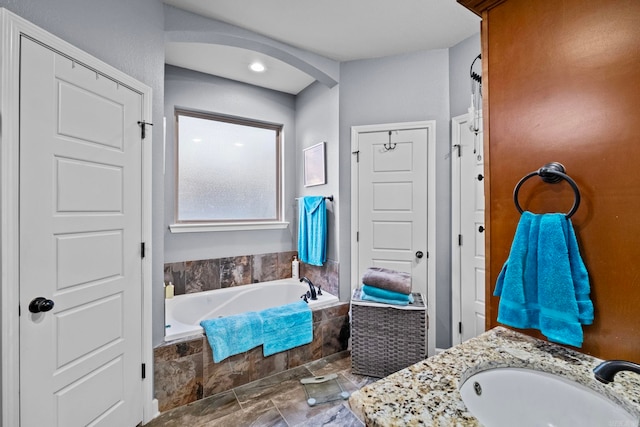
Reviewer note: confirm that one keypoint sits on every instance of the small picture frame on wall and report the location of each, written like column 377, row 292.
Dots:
column 314, row 168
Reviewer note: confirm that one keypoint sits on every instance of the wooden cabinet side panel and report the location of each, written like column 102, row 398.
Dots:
column 564, row 84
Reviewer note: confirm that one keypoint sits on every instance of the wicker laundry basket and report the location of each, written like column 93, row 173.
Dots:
column 386, row 338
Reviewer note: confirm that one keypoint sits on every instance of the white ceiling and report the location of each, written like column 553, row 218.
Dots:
column 342, row 30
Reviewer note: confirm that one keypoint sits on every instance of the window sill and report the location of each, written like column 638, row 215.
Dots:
column 227, row 226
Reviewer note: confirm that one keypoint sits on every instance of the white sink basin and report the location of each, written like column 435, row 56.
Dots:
column 507, row 397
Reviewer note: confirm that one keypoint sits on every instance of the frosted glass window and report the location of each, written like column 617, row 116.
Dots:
column 228, row 169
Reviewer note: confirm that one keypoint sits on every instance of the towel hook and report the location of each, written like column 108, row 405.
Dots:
column 551, row 173
column 391, row 146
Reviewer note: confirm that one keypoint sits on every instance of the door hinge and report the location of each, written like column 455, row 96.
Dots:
column 357, row 236
column 142, row 249
column 459, row 239
column 459, row 327
column 143, row 128
column 144, row 370
column 357, row 153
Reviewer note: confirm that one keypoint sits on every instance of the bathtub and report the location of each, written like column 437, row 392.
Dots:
column 183, row 313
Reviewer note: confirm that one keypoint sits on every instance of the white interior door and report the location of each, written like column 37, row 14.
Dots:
column 468, row 296
column 80, row 234
column 393, row 203
column 393, row 195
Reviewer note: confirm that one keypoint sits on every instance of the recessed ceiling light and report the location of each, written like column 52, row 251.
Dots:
column 257, row 67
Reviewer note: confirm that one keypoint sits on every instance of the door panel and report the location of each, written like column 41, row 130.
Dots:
column 388, row 235
column 471, row 226
column 76, row 183
column 78, row 123
column 107, row 380
column 399, row 159
column 80, row 233
column 99, row 252
column 392, row 206
column 392, row 196
column 87, row 328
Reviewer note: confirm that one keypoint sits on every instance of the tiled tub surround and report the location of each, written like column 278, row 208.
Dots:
column 184, row 370
column 426, row 393
column 210, row 274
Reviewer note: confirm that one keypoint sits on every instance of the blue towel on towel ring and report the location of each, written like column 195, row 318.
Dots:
column 233, row 334
column 544, row 283
column 286, row 327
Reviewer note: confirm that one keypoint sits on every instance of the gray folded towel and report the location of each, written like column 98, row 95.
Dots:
column 388, row 279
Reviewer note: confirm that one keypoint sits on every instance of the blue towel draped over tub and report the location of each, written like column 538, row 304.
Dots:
column 544, row 283
column 233, row 334
column 286, row 327
column 312, row 230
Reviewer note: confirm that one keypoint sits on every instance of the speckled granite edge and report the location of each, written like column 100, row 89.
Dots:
column 426, row 393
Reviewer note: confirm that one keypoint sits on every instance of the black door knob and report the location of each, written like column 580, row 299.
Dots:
column 480, row 177
column 481, row 229
column 40, row 304
column 419, row 254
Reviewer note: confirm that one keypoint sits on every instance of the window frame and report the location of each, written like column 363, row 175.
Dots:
column 231, row 223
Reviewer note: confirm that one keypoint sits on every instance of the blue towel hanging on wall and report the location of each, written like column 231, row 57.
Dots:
column 312, row 230
column 544, row 283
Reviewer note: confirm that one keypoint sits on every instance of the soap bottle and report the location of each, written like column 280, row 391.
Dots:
column 168, row 291
column 295, row 268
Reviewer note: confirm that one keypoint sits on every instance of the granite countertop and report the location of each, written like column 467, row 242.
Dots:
column 426, row 393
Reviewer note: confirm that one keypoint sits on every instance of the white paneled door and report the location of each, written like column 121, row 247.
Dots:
column 468, row 259
column 393, row 190
column 393, row 203
column 80, row 236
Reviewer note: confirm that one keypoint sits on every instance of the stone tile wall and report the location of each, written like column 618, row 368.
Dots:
column 209, row 274
column 185, row 371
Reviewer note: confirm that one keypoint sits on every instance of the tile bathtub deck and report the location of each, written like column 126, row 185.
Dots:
column 278, row 400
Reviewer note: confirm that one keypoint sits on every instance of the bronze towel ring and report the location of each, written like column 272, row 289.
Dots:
column 551, row 173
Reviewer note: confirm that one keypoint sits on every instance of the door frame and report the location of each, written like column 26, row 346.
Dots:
column 456, row 227
column 11, row 28
column 430, row 125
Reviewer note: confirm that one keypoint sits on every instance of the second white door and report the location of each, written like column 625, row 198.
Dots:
column 468, row 260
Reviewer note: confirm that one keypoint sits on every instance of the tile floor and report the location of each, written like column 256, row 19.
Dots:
column 275, row 401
